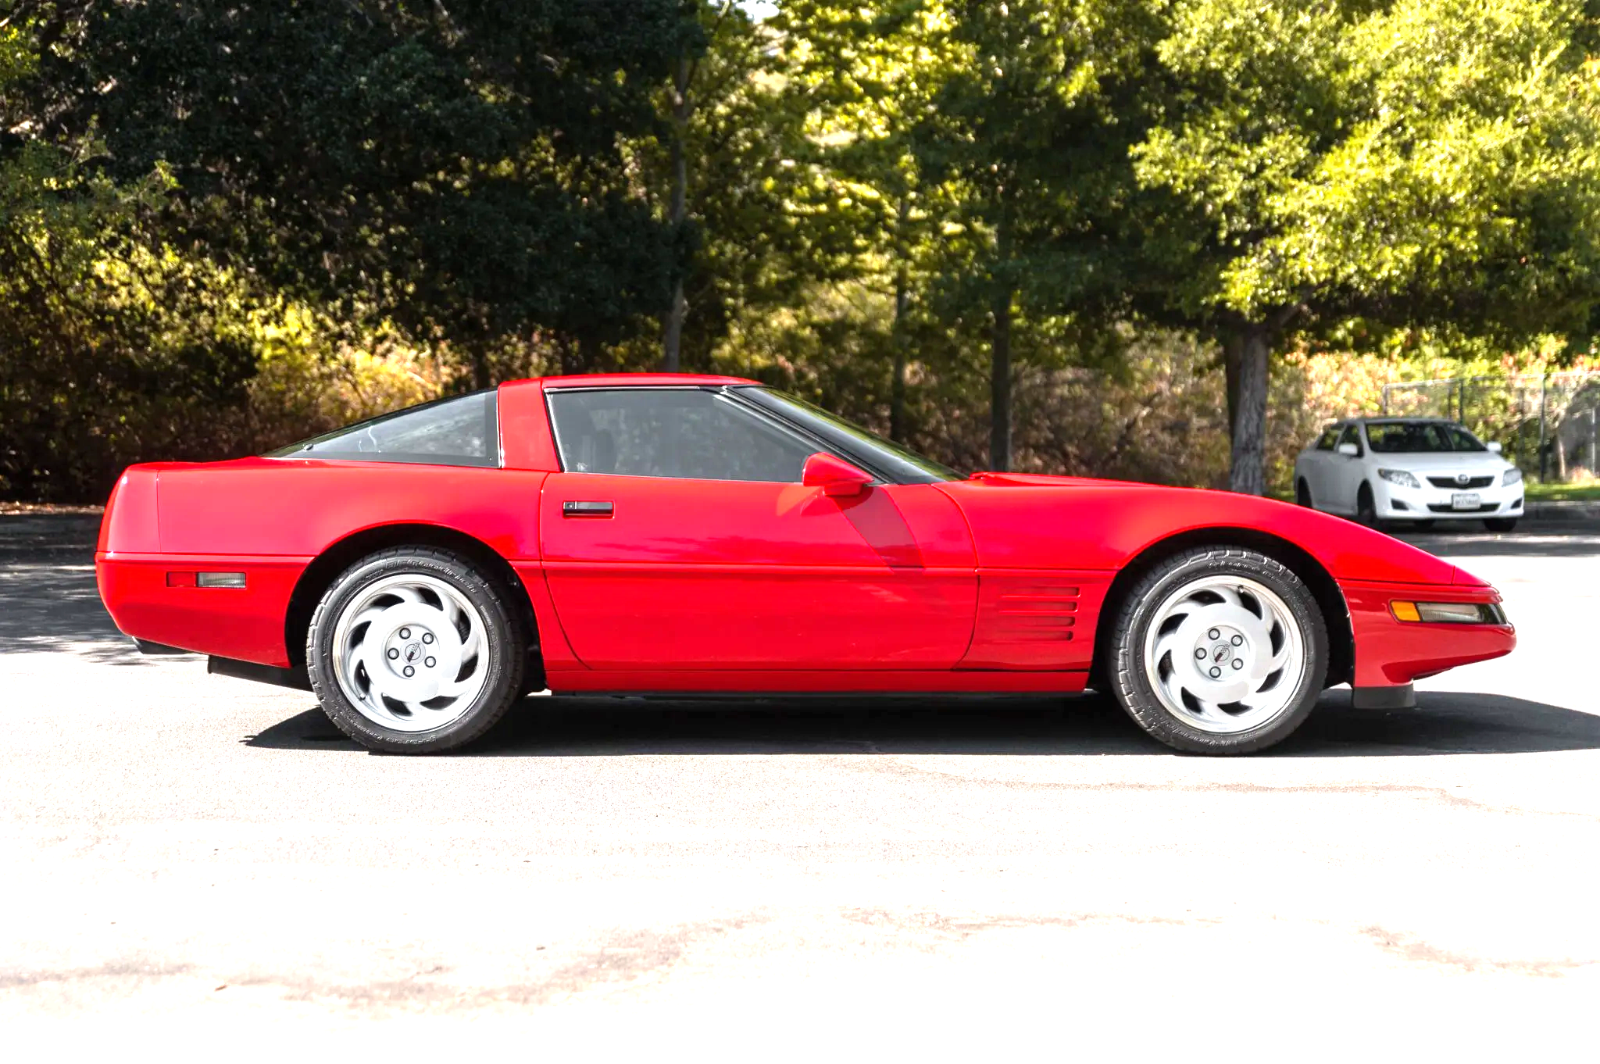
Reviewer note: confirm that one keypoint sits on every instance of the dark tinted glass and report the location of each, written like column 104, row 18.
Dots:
column 1326, row 441
column 1352, row 435
column 1420, row 437
column 687, row 433
column 866, row 449
column 459, row 431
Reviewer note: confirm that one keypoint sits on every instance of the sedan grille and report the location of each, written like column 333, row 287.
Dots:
column 1461, row 485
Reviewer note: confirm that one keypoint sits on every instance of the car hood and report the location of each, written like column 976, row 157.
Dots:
column 1029, row 521
column 1449, row 461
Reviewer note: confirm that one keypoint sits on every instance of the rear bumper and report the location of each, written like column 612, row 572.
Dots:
column 245, row 624
column 1392, row 653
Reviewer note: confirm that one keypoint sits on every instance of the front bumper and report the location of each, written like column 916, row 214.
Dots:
column 1430, row 503
column 1393, row 653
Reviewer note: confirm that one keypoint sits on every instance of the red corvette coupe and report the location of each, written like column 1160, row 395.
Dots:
column 646, row 533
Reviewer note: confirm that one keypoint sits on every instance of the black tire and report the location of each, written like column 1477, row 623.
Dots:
column 1367, row 508
column 1134, row 688
column 1500, row 524
column 1302, row 494
column 505, row 652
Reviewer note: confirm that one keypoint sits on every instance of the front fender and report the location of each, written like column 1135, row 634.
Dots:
column 1084, row 524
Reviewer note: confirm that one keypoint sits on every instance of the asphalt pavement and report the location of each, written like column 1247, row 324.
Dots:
column 208, row 861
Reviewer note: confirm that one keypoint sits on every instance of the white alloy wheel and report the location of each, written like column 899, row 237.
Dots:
column 1224, row 654
column 410, row 652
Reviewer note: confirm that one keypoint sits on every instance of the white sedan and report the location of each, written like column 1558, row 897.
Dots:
column 1421, row 470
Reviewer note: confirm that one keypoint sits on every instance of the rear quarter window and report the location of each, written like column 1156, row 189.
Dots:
column 463, row 430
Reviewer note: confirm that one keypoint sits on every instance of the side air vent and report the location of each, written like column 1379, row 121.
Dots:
column 1035, row 621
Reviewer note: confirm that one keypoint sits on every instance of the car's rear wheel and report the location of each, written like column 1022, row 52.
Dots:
column 1219, row 650
column 414, row 650
column 1302, row 494
column 1500, row 524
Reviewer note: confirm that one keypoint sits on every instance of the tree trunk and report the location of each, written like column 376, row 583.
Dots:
column 897, row 387
column 672, row 331
column 902, row 300
column 1232, row 352
column 480, row 367
column 1000, row 385
column 1000, row 368
column 1248, row 471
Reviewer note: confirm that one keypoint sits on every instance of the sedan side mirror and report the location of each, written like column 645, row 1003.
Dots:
column 1349, row 450
column 1495, row 447
column 834, row 476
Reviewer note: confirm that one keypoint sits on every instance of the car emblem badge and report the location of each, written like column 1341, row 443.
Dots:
column 413, row 652
column 1462, row 478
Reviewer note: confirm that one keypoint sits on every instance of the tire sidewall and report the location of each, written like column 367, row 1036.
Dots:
column 1135, row 689
column 502, row 651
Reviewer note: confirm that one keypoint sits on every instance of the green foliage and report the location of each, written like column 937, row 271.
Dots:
column 1024, row 232
column 1424, row 162
column 456, row 170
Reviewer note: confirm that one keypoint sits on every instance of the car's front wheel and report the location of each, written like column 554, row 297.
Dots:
column 1219, row 650
column 414, row 650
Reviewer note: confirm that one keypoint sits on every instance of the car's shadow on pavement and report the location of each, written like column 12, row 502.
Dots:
column 1443, row 723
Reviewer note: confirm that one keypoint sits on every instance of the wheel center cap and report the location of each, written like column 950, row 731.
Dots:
column 413, row 652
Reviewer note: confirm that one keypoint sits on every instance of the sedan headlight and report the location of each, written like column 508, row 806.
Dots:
column 1513, row 476
column 1400, row 477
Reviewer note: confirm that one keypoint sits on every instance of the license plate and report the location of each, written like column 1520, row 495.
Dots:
column 1464, row 500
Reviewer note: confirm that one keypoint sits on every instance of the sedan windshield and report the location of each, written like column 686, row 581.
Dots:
column 1420, row 437
column 867, row 449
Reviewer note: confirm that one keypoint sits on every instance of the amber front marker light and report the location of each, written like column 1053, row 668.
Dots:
column 1447, row 612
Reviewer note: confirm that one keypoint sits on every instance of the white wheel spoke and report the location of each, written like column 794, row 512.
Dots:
column 1221, row 652
column 411, row 651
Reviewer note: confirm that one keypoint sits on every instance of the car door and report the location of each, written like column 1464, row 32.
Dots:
column 678, row 537
column 1313, row 465
column 1345, row 472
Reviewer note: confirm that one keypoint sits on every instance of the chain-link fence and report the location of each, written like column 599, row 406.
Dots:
column 1547, row 423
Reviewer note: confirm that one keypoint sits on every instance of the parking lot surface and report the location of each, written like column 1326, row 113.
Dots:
column 207, row 858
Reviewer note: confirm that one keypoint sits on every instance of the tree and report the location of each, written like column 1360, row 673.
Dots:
column 736, row 189
column 868, row 77
column 1035, row 126
column 457, row 169
column 1352, row 168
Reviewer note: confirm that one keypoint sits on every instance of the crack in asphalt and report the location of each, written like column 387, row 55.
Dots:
column 1112, row 786
column 1410, row 948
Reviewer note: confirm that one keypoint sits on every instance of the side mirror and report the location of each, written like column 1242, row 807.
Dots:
column 834, row 476
column 1349, row 450
column 1495, row 447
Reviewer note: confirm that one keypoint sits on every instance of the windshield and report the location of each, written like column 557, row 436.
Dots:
column 867, row 449
column 1420, row 437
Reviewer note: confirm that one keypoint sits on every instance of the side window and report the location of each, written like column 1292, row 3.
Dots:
column 684, row 433
column 459, row 431
column 1328, row 439
column 1352, row 434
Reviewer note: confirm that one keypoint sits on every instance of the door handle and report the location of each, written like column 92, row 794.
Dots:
column 586, row 509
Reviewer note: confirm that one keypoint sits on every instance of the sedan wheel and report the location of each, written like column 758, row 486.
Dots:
column 1220, row 651
column 413, row 651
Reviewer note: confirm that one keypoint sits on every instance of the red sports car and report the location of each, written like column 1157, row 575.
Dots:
column 647, row 533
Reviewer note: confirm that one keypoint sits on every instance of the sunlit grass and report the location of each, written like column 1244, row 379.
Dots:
column 1584, row 492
